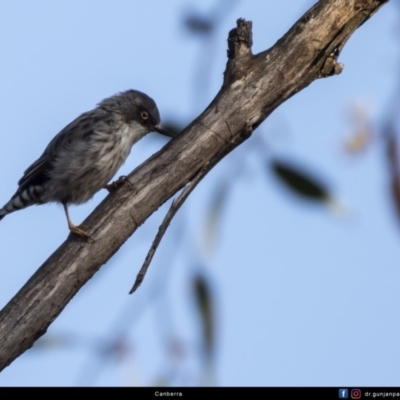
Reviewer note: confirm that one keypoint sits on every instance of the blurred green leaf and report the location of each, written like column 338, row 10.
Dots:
column 300, row 182
column 204, row 302
column 198, row 25
column 214, row 212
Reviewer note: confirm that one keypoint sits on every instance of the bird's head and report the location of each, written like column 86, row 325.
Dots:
column 138, row 109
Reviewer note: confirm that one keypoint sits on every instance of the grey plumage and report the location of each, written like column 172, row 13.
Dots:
column 87, row 153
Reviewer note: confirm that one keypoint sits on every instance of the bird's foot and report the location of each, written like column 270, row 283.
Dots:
column 80, row 232
column 122, row 180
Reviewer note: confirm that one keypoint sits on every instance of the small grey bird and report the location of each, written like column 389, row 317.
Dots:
column 87, row 153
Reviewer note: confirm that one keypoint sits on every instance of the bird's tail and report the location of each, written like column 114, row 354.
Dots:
column 23, row 199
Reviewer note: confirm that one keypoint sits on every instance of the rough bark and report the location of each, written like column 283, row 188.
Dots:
column 254, row 86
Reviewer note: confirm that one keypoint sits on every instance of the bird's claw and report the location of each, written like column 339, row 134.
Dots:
column 80, row 232
column 122, row 180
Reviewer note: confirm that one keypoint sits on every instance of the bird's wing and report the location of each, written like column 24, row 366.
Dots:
column 80, row 128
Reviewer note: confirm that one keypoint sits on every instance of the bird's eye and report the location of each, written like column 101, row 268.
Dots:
column 144, row 115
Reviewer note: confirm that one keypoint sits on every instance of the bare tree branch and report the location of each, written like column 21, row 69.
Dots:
column 254, row 86
column 175, row 206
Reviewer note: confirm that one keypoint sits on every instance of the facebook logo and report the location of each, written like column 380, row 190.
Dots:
column 343, row 393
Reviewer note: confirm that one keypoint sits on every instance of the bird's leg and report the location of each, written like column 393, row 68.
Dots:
column 122, row 180
column 75, row 229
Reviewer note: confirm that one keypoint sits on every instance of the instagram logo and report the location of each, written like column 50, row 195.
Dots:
column 355, row 393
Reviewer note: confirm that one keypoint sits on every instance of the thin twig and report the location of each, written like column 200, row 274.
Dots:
column 175, row 206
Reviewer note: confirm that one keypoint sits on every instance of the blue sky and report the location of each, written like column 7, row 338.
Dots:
column 301, row 297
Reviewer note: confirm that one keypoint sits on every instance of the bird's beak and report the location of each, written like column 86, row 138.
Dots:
column 163, row 131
